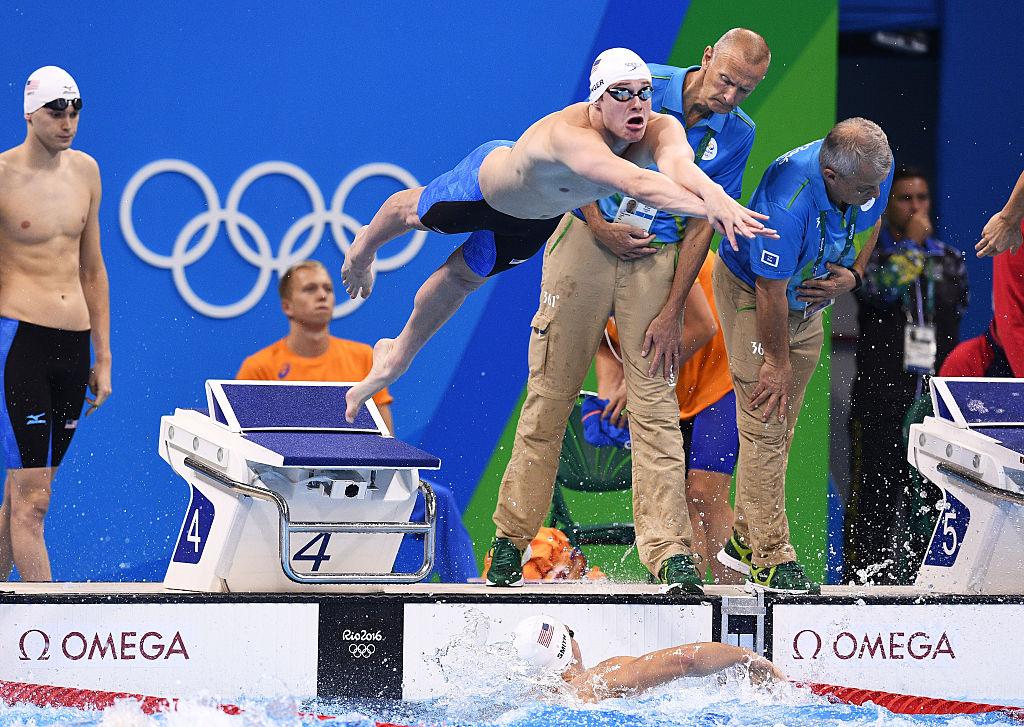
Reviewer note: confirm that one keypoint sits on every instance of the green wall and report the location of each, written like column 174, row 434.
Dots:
column 793, row 105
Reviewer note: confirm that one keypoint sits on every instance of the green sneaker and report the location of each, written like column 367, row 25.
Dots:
column 735, row 555
column 679, row 570
column 506, row 564
column 782, row 578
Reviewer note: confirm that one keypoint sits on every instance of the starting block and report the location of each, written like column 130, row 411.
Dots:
column 286, row 495
column 973, row 448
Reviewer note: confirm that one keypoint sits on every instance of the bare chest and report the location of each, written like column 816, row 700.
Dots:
column 40, row 210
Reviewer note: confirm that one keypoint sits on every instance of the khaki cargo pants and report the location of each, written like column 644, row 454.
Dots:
column 761, row 520
column 582, row 284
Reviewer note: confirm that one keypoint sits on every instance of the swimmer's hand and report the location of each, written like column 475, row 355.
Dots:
column 763, row 671
column 99, row 384
column 623, row 241
column 1000, row 233
column 731, row 219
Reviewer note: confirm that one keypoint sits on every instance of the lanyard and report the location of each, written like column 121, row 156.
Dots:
column 703, row 145
column 851, row 230
column 925, row 302
column 697, row 154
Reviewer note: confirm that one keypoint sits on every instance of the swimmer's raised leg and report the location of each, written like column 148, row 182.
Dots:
column 436, row 300
column 395, row 217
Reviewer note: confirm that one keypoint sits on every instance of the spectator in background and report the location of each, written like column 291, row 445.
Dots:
column 309, row 352
column 770, row 295
column 707, row 418
column 909, row 309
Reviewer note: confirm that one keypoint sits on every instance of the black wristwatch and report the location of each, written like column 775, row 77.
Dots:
column 858, row 278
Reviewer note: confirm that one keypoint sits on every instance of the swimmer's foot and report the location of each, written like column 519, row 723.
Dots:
column 357, row 270
column 383, row 372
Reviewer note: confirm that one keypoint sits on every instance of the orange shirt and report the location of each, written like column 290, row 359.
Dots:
column 704, row 378
column 343, row 361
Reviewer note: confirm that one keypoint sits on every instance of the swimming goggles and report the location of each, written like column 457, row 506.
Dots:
column 59, row 104
column 624, row 94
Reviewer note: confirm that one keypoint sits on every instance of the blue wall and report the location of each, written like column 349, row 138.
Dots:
column 981, row 144
column 328, row 88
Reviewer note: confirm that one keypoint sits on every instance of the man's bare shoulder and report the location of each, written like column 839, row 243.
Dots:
column 83, row 163
column 572, row 125
column 657, row 123
column 8, row 163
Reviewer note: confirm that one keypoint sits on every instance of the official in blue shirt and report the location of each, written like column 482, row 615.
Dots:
column 769, row 296
column 814, row 231
column 705, row 99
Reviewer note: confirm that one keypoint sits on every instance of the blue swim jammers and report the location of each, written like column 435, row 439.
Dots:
column 453, row 203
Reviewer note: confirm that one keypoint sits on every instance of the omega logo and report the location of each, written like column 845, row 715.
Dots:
column 35, row 645
column 808, row 644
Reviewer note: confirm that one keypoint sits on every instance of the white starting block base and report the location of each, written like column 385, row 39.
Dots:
column 285, row 495
column 972, row 450
column 389, row 641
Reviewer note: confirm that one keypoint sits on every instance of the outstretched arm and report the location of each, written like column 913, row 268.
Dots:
column 666, row 139
column 630, row 675
column 588, row 156
column 1002, row 231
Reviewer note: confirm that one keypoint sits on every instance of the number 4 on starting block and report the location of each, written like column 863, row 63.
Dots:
column 195, row 529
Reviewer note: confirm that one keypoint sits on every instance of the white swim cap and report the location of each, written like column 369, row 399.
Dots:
column 614, row 65
column 543, row 642
column 47, row 84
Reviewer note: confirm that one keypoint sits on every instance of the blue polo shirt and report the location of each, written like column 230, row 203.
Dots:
column 812, row 230
column 721, row 142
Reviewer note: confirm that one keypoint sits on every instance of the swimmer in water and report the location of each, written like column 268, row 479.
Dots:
column 550, row 646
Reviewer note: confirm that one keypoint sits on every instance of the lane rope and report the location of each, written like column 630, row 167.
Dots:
column 46, row 695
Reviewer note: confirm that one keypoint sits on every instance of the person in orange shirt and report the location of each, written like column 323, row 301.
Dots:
column 707, row 418
column 309, row 352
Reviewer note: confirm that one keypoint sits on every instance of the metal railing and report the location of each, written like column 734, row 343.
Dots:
column 287, row 527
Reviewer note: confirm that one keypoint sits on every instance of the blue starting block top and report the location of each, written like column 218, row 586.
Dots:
column 305, row 424
column 336, row 449
column 286, row 406
column 978, row 403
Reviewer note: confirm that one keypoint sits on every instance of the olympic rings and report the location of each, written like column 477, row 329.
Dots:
column 343, row 228
column 362, row 651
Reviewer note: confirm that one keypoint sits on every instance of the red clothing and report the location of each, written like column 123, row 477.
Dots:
column 970, row 358
column 1008, row 302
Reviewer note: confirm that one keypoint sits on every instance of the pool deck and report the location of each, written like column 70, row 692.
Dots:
column 426, row 590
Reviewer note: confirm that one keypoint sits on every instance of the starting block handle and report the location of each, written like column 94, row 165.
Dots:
column 286, row 528
column 969, row 480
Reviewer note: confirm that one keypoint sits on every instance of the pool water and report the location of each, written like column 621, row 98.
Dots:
column 702, row 702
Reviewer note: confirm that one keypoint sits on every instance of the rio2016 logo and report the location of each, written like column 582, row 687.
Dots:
column 264, row 258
